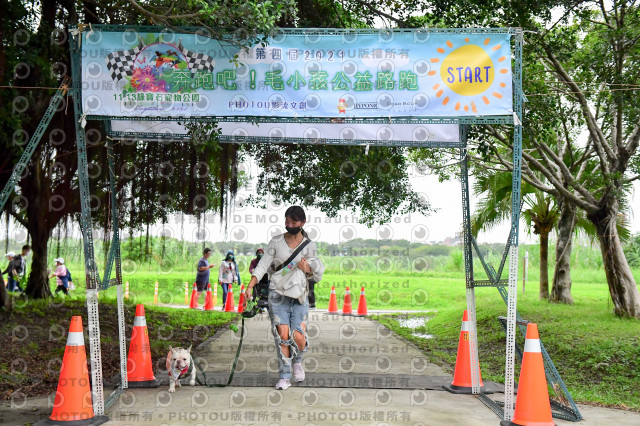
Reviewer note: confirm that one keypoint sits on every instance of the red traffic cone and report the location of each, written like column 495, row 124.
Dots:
column 462, row 375
column 333, row 303
column 73, row 403
column 194, row 297
column 208, row 302
column 362, row 303
column 241, row 301
column 532, row 403
column 228, row 305
column 139, row 365
column 346, row 307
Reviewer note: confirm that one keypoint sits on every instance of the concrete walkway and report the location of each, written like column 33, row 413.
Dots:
column 357, row 374
column 355, row 368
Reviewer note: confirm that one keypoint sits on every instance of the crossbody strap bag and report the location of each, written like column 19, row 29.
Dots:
column 293, row 255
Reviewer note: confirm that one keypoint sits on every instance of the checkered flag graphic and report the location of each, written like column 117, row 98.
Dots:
column 120, row 63
column 197, row 61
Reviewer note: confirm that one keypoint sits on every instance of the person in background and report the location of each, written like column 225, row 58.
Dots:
column 21, row 262
column 233, row 257
column 202, row 276
column 61, row 275
column 11, row 272
column 227, row 275
column 260, row 290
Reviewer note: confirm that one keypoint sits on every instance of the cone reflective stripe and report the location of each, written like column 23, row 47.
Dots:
column 194, row 297
column 241, row 299
column 186, row 293
column 346, row 307
column 333, row 303
column 139, row 364
column 215, row 295
column 532, row 403
column 462, row 374
column 73, row 403
column 155, row 294
column 362, row 303
column 228, row 306
column 208, row 303
column 75, row 338
column 139, row 321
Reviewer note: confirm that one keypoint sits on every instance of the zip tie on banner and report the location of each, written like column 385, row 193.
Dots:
column 390, row 119
column 83, row 120
column 366, row 150
column 90, row 33
column 516, row 120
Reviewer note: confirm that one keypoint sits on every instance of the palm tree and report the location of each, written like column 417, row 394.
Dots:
column 541, row 214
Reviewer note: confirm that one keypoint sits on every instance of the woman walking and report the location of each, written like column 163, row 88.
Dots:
column 227, row 275
column 291, row 259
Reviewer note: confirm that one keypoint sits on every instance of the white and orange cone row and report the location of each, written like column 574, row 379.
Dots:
column 362, row 303
column 139, row 364
column 73, row 403
column 532, row 403
column 333, row 303
column 346, row 307
column 462, row 374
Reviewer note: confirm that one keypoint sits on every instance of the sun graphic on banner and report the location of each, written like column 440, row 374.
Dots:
column 469, row 72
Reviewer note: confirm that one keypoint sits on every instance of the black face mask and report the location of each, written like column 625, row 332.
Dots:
column 229, row 258
column 292, row 230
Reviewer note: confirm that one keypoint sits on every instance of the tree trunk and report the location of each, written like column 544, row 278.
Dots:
column 544, row 265
column 4, row 295
column 622, row 285
column 561, row 289
column 38, row 281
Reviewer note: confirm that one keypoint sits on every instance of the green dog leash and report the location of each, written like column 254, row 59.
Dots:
column 251, row 309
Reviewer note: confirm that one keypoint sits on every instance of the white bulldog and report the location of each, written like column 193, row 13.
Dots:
column 179, row 365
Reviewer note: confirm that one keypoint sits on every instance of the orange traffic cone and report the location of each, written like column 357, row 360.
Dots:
column 228, row 306
column 333, row 303
column 362, row 303
column 241, row 300
column 462, row 375
column 194, row 297
column 208, row 302
column 139, row 365
column 73, row 404
column 346, row 307
column 532, row 402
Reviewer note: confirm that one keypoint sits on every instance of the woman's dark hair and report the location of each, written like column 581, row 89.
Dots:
column 296, row 213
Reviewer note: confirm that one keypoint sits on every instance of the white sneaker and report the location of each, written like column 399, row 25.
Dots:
column 298, row 372
column 283, row 384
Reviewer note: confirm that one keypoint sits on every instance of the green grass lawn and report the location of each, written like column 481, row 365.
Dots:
column 596, row 353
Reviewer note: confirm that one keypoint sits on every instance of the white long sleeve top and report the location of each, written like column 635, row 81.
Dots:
column 290, row 275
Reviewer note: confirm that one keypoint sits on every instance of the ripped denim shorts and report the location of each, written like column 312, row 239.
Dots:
column 288, row 311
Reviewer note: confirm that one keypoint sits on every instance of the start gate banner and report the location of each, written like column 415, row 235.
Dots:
column 301, row 73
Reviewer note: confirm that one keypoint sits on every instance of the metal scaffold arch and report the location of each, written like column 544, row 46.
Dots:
column 398, row 87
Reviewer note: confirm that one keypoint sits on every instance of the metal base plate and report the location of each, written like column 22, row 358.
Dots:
column 95, row 420
column 464, row 390
column 144, row 384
